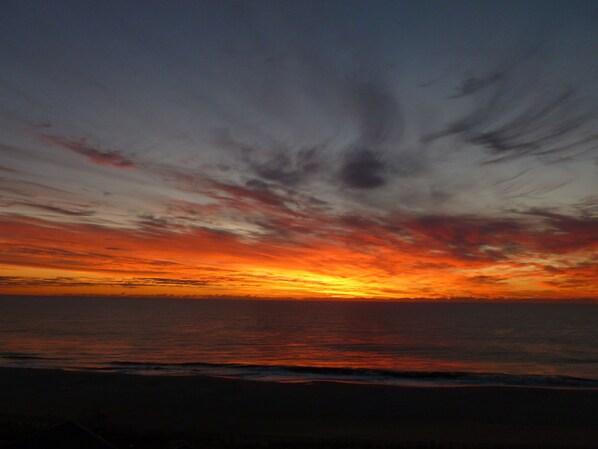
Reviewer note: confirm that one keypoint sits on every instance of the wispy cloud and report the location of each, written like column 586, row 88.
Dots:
column 80, row 212
column 95, row 154
column 515, row 116
column 304, row 152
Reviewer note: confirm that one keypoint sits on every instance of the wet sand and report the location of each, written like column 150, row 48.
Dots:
column 238, row 411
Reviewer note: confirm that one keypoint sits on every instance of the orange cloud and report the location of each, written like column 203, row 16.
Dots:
column 325, row 256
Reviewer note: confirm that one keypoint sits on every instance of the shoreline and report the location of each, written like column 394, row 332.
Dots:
column 201, row 407
column 390, row 384
column 310, row 374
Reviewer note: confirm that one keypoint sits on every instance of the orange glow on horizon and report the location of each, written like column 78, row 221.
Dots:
column 235, row 152
column 46, row 258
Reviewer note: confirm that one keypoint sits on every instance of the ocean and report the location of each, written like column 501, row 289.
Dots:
column 414, row 344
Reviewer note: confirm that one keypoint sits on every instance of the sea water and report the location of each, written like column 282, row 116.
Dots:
column 427, row 344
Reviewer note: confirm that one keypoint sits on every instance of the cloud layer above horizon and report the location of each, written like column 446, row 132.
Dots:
column 299, row 149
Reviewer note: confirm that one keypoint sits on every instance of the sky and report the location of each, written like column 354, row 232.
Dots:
column 285, row 149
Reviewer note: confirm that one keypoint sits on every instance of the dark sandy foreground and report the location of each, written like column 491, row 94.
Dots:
column 148, row 411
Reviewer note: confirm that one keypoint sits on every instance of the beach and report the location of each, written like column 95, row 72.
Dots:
column 155, row 410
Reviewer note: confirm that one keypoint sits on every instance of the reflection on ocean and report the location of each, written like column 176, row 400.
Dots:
column 403, row 343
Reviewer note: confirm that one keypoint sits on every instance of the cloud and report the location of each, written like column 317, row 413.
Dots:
column 377, row 112
column 107, row 158
column 363, row 169
column 273, row 161
column 254, row 191
column 85, row 212
column 152, row 223
column 21, row 281
column 323, row 253
column 166, row 282
column 63, row 281
column 514, row 117
column 288, row 169
column 315, row 178
column 565, row 233
column 355, row 99
column 485, row 279
column 30, row 189
column 7, row 169
column 29, row 250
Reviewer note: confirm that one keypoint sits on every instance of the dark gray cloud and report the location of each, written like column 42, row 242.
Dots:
column 152, row 223
column 474, row 84
column 520, row 112
column 360, row 115
column 588, row 207
column 363, row 169
column 79, row 212
column 376, row 152
column 288, row 168
column 272, row 160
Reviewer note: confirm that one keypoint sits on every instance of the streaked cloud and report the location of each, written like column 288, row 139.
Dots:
column 97, row 155
column 299, row 149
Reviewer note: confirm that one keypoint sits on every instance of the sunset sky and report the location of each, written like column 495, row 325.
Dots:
column 299, row 149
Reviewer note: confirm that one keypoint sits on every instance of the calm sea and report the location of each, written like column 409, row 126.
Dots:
column 550, row 345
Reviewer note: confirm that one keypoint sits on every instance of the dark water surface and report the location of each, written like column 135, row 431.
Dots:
column 554, row 345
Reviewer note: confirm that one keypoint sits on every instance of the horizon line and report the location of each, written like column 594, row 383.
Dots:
column 426, row 300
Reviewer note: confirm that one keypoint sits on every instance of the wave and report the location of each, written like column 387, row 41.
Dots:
column 21, row 356
column 294, row 373
column 289, row 373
